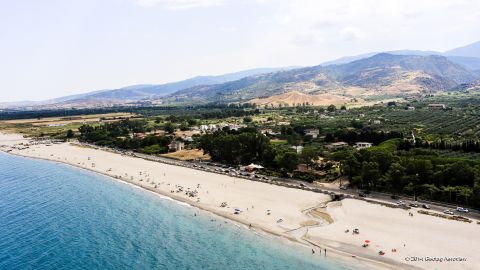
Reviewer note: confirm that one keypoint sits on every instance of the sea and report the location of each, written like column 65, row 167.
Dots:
column 56, row 216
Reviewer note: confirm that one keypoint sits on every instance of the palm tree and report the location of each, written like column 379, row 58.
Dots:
column 449, row 189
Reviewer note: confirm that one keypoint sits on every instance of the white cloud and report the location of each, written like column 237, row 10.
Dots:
column 179, row 4
column 351, row 33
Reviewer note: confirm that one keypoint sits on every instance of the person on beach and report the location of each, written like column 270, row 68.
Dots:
column 325, row 251
column 313, row 251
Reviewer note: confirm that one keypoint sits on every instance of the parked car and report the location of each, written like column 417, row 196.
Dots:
column 463, row 210
column 448, row 212
column 400, row 202
column 413, row 205
column 343, row 187
column 426, row 206
column 395, row 197
column 362, row 195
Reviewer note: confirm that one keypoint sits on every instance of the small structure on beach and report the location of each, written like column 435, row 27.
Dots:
column 252, row 167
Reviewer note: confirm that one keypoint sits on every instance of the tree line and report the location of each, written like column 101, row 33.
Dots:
column 117, row 135
column 416, row 172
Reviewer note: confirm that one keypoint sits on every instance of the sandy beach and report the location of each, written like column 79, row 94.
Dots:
column 417, row 242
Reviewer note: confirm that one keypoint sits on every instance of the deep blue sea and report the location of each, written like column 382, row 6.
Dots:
column 54, row 216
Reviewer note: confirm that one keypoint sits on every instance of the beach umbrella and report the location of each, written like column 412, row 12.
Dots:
column 367, row 241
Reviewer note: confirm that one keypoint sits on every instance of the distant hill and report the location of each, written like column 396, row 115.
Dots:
column 471, row 86
column 149, row 91
column 348, row 59
column 471, row 50
column 468, row 62
column 380, row 74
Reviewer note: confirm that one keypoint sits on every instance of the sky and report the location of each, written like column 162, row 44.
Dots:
column 54, row 48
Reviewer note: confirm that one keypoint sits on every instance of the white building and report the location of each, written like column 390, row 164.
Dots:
column 298, row 148
column 362, row 145
column 337, row 145
column 312, row 132
column 176, row 146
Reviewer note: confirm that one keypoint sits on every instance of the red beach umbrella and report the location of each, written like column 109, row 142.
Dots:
column 367, row 241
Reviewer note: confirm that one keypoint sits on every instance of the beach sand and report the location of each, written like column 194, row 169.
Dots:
column 303, row 218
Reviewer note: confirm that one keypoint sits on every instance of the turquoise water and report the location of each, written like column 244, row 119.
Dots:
column 53, row 216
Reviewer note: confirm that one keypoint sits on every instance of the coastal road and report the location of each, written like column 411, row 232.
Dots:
column 378, row 196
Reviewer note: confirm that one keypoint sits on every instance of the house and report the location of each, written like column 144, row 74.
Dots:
column 410, row 108
column 298, row 148
column 266, row 131
column 235, row 126
column 337, row 145
column 377, row 122
column 186, row 138
column 436, row 106
column 176, row 145
column 362, row 145
column 312, row 132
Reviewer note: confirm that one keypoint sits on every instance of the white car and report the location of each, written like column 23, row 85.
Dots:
column 401, row 203
column 448, row 212
column 463, row 210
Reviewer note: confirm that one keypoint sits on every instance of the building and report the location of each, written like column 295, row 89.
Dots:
column 297, row 148
column 176, row 146
column 377, row 122
column 312, row 132
column 337, row 145
column 410, row 108
column 362, row 145
column 437, row 106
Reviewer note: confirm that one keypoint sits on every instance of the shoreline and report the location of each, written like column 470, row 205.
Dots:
column 339, row 256
column 336, row 249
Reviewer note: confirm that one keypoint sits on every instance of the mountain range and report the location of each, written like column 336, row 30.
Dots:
column 379, row 75
column 376, row 74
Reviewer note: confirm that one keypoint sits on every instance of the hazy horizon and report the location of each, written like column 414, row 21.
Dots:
column 57, row 48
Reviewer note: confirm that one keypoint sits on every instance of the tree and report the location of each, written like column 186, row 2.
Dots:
column 70, row 134
column 184, row 126
column 247, row 119
column 395, row 175
column 431, row 189
column 294, row 139
column 169, row 128
column 287, row 162
column 308, row 156
column 343, row 108
column 465, row 192
column 370, row 173
column 449, row 190
column 331, row 108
